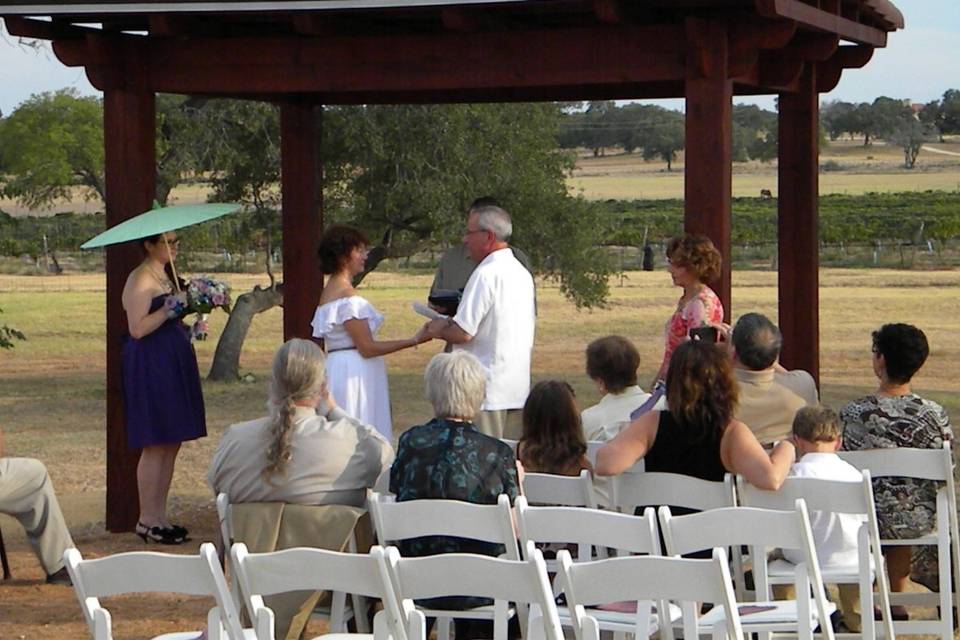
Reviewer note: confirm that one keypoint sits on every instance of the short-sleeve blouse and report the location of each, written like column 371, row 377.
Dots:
column 328, row 320
column 702, row 310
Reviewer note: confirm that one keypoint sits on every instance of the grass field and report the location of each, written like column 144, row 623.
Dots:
column 859, row 169
column 52, row 405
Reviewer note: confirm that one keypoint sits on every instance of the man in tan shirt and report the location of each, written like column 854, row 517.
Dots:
column 769, row 394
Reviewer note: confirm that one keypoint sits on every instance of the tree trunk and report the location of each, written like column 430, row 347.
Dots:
column 226, row 359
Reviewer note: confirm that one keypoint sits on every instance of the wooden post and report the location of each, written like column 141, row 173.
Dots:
column 130, row 164
column 798, row 247
column 301, row 171
column 707, row 178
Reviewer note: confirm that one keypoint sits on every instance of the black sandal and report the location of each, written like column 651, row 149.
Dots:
column 180, row 532
column 158, row 535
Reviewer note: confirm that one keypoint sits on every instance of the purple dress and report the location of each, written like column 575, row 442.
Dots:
column 161, row 386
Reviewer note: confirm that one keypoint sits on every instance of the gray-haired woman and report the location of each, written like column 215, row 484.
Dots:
column 448, row 458
column 299, row 453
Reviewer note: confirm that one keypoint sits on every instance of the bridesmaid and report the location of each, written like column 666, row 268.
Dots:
column 161, row 384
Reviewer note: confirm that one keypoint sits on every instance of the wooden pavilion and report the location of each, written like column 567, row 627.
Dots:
column 301, row 54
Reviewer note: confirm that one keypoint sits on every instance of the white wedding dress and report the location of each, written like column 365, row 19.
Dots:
column 359, row 385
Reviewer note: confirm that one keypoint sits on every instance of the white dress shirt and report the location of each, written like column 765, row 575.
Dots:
column 604, row 420
column 333, row 461
column 834, row 534
column 498, row 310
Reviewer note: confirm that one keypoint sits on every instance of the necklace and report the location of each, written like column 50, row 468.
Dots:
column 164, row 282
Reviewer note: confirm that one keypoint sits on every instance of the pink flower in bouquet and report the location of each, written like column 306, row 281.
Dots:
column 218, row 299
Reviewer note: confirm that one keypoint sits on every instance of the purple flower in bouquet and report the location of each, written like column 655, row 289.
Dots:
column 206, row 294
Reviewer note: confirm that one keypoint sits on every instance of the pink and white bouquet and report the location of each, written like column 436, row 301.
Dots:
column 203, row 296
column 206, row 294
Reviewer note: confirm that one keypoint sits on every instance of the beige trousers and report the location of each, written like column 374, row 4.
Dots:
column 26, row 493
column 503, row 423
column 849, row 601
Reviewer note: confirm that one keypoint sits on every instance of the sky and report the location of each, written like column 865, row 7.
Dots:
column 919, row 63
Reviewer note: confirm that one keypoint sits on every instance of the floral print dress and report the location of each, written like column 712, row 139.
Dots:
column 906, row 507
column 702, row 310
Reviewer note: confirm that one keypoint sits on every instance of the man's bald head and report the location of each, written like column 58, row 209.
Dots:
column 756, row 341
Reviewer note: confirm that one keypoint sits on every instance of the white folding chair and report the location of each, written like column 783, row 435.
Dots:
column 762, row 530
column 836, row 497
column 395, row 521
column 306, row 569
column 338, row 613
column 592, row 528
column 552, row 489
column 464, row 574
column 924, row 464
column 659, row 489
column 645, row 579
column 148, row 572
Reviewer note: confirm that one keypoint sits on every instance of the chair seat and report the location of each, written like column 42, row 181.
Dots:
column 842, row 574
column 784, row 612
column 344, row 636
column 486, row 612
column 620, row 621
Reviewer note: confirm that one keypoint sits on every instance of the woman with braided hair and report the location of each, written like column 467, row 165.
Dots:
column 307, row 450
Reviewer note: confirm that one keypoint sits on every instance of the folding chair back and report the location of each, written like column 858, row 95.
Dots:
column 588, row 527
column 761, row 529
column 648, row 578
column 148, row 572
column 631, row 490
column 307, row 569
column 462, row 574
column 833, row 496
column 552, row 489
column 924, row 464
column 416, row 518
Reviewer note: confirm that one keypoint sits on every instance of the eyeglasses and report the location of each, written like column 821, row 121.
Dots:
column 468, row 232
column 173, row 242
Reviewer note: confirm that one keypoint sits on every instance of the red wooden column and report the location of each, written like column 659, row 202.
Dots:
column 301, row 171
column 798, row 248
column 709, row 125
column 130, row 163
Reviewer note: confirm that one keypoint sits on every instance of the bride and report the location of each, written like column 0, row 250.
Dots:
column 348, row 323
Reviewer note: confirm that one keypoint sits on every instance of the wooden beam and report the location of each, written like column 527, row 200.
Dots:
column 608, row 11
column 848, row 57
column 43, row 30
column 302, row 184
column 709, row 126
column 820, row 20
column 130, row 161
column 777, row 71
column 620, row 55
column 798, row 247
column 815, row 47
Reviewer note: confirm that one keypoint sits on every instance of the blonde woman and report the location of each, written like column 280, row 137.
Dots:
column 307, row 450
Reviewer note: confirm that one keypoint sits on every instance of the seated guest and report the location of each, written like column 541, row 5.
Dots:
column 697, row 434
column 448, row 458
column 612, row 364
column 816, row 434
column 552, row 440
column 307, row 451
column 26, row 493
column 893, row 416
column 769, row 394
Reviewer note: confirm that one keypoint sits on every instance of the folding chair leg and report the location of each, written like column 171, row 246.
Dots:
column 3, row 558
column 338, row 604
column 443, row 628
column 360, row 613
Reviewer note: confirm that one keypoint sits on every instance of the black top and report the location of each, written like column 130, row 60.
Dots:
column 678, row 449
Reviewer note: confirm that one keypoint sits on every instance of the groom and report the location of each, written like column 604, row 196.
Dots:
column 495, row 320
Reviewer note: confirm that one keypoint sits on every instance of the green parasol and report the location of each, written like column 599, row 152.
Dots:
column 158, row 221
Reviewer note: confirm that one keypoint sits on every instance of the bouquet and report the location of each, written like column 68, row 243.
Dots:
column 203, row 296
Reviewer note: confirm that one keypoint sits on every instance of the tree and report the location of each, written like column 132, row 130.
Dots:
column 665, row 139
column 950, row 112
column 8, row 335
column 836, row 118
column 50, row 144
column 910, row 134
column 932, row 117
column 244, row 142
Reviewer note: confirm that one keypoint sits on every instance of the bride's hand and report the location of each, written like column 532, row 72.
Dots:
column 421, row 335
